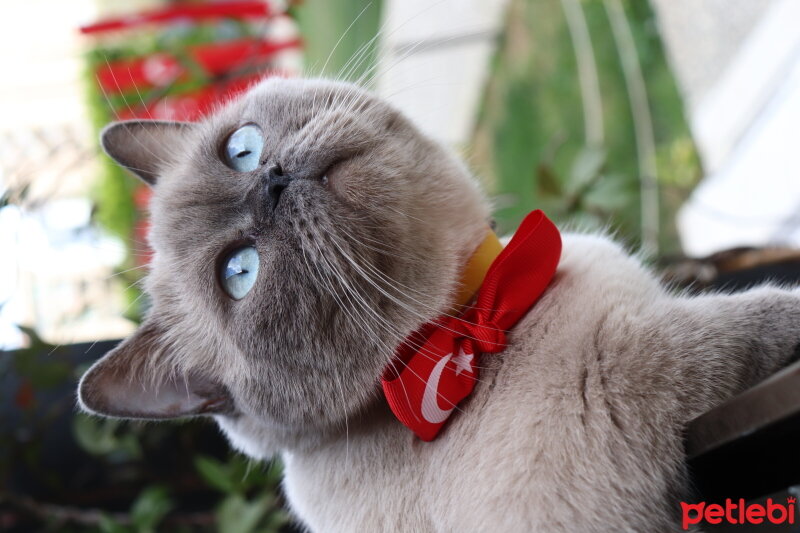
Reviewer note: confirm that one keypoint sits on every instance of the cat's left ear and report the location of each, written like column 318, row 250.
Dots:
column 123, row 384
column 145, row 146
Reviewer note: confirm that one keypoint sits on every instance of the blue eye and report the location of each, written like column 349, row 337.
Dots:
column 239, row 272
column 243, row 149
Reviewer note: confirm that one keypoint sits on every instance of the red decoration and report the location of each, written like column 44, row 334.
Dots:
column 180, row 12
column 436, row 368
column 216, row 59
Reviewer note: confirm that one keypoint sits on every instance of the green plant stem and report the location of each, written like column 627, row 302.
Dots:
column 642, row 125
column 64, row 514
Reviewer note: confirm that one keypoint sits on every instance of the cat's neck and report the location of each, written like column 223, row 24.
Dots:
column 376, row 429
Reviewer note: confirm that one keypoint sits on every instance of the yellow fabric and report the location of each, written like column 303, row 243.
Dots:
column 476, row 268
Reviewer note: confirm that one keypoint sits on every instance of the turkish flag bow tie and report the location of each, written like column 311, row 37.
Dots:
column 436, row 367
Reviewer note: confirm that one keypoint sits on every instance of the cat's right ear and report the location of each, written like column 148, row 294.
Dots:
column 128, row 383
column 144, row 146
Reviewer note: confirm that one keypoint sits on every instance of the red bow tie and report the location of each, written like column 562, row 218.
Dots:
column 436, row 367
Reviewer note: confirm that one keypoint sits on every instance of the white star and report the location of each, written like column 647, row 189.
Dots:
column 463, row 361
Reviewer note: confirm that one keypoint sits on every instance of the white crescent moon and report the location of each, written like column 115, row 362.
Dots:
column 430, row 406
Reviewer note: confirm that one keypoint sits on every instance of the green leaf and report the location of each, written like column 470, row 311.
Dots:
column 215, row 473
column 93, row 435
column 610, row 194
column 585, row 170
column 249, row 474
column 274, row 472
column 237, row 515
column 150, row 508
column 108, row 525
column 99, row 436
column 275, row 521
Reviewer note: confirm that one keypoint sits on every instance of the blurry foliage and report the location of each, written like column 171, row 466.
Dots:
column 532, row 137
column 237, row 478
column 65, row 471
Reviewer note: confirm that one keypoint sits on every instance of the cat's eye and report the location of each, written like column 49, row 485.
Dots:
column 243, row 148
column 239, row 272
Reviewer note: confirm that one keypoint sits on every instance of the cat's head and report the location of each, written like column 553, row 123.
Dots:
column 299, row 234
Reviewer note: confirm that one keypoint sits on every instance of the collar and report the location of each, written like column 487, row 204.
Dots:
column 475, row 270
column 436, row 367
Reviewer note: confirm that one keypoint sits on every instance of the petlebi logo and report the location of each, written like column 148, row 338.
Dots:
column 739, row 512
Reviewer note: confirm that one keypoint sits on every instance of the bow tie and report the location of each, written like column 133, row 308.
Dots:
column 435, row 368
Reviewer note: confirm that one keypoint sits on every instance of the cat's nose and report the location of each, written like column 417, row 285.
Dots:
column 276, row 183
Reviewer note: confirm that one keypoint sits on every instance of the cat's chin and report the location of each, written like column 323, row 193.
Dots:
column 246, row 437
column 259, row 440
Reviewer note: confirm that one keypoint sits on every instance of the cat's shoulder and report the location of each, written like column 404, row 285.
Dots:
column 599, row 260
column 598, row 284
column 588, row 247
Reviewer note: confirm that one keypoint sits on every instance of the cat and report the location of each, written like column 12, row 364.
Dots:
column 304, row 230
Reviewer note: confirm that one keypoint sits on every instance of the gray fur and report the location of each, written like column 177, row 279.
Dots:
column 577, row 426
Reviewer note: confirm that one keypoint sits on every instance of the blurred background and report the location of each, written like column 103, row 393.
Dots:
column 673, row 124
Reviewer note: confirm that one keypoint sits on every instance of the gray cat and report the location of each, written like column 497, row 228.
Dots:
column 302, row 232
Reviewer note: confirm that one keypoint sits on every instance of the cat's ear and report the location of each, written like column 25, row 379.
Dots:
column 123, row 385
column 144, row 146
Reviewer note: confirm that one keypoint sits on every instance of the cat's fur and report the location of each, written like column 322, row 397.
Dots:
column 576, row 426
